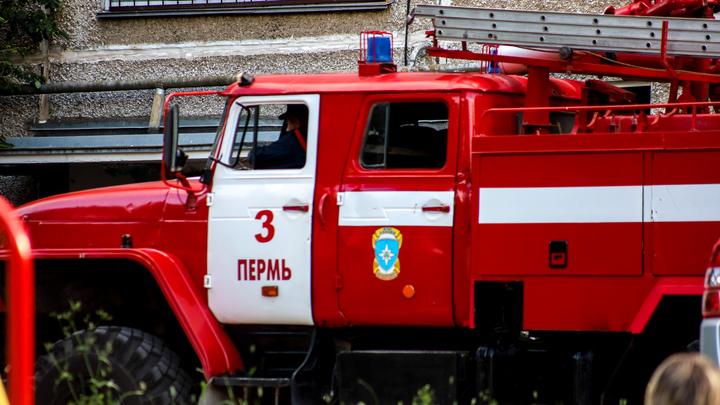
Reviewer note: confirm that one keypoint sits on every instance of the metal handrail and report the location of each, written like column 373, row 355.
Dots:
column 671, row 108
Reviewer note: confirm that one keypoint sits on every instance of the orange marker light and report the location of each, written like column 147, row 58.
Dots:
column 270, row 291
column 408, row 291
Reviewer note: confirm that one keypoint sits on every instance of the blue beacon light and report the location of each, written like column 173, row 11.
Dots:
column 379, row 49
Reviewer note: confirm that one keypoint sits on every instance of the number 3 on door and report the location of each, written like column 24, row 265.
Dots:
column 267, row 224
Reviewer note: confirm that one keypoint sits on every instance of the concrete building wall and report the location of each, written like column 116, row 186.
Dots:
column 101, row 49
column 140, row 48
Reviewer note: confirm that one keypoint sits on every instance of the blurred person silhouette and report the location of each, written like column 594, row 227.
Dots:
column 684, row 379
column 289, row 151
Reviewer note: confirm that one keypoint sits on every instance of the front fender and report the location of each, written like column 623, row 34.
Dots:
column 217, row 353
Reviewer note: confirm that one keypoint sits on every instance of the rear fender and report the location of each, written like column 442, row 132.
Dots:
column 667, row 286
column 216, row 352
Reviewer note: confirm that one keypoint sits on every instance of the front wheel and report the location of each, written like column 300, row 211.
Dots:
column 129, row 365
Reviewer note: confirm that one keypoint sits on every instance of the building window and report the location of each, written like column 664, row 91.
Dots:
column 231, row 6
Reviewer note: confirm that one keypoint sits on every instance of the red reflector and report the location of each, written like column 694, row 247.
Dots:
column 270, row 291
column 711, row 303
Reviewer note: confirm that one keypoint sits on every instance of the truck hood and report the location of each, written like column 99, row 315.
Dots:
column 135, row 202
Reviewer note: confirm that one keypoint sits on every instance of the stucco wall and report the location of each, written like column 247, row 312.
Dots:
column 102, row 49
column 140, row 48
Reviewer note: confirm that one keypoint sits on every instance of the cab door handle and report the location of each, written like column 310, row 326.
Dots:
column 321, row 207
column 436, row 208
column 299, row 208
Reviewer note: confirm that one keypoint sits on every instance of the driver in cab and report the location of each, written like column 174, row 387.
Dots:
column 289, row 151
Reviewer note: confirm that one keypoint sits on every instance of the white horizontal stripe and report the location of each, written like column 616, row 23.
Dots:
column 662, row 203
column 395, row 208
column 560, row 205
column 684, row 203
column 209, row 49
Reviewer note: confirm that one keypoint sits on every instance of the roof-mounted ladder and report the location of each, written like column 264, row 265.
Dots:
column 589, row 32
column 577, row 34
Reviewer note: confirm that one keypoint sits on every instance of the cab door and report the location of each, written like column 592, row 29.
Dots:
column 396, row 209
column 260, row 221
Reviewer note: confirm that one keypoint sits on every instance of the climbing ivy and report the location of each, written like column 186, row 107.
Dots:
column 24, row 24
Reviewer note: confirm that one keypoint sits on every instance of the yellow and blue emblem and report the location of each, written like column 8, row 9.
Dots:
column 386, row 244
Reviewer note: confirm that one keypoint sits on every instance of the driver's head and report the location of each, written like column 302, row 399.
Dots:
column 295, row 116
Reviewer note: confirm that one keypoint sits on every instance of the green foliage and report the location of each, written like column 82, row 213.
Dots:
column 232, row 399
column 68, row 319
column 4, row 144
column 98, row 389
column 25, row 23
column 424, row 396
column 484, row 398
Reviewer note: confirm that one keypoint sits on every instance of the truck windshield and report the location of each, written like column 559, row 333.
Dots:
column 218, row 137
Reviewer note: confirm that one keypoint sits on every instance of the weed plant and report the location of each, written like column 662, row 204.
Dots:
column 95, row 388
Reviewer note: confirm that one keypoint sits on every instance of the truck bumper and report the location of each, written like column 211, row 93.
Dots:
column 710, row 339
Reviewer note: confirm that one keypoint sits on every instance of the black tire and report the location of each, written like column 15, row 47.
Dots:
column 136, row 360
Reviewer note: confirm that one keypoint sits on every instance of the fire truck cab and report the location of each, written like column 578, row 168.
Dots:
column 391, row 167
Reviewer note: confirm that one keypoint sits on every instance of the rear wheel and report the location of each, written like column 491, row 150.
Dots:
column 126, row 364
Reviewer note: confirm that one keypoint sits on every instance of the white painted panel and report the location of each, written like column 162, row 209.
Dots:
column 530, row 205
column 395, row 208
column 209, row 49
column 233, row 226
column 684, row 202
column 239, row 195
column 663, row 203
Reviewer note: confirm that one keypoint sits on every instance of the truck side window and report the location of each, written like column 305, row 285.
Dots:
column 264, row 128
column 405, row 136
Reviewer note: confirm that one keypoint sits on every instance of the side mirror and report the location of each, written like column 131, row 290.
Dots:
column 173, row 157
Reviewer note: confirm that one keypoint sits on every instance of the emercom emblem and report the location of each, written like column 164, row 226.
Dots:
column 386, row 244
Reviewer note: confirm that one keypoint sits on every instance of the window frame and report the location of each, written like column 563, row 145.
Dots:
column 225, row 152
column 368, row 111
column 173, row 8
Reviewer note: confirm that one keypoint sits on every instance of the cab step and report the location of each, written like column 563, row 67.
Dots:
column 230, row 383
column 272, row 352
column 265, row 382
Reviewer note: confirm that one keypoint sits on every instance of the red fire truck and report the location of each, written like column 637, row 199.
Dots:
column 490, row 235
